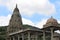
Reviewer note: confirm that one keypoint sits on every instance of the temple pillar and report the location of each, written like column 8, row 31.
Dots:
column 36, row 36
column 22, row 36
column 43, row 34
column 28, row 35
column 9, row 38
column 18, row 37
column 13, row 38
column 51, row 33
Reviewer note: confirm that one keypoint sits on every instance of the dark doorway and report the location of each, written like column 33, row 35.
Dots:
column 20, row 38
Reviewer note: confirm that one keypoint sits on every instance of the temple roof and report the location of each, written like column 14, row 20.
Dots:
column 27, row 28
column 51, row 23
column 51, row 20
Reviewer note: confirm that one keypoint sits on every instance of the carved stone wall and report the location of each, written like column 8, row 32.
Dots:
column 15, row 23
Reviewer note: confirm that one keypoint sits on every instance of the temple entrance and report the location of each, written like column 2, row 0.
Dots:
column 20, row 38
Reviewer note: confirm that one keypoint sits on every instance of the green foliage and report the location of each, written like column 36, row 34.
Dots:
column 3, row 32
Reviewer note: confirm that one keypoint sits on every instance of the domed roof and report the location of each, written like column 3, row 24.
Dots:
column 51, row 21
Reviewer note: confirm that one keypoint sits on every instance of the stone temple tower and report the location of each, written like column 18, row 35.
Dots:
column 15, row 23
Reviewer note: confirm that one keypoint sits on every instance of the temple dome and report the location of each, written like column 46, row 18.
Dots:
column 52, row 21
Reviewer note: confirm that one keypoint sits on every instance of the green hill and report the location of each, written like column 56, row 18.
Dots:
column 3, row 32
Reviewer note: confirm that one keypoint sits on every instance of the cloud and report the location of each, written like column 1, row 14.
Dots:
column 29, row 7
column 4, row 20
column 27, row 21
column 41, row 23
column 58, row 31
column 38, row 24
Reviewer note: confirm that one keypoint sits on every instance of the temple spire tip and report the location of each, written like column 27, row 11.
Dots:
column 51, row 16
column 16, row 5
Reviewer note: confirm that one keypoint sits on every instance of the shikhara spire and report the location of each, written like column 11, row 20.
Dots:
column 16, row 21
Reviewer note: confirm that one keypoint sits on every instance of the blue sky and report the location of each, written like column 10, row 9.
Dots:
column 33, row 12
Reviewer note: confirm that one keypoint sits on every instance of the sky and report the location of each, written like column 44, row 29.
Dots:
column 33, row 12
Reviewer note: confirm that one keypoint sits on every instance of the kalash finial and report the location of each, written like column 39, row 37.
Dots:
column 51, row 16
column 16, row 8
column 16, row 5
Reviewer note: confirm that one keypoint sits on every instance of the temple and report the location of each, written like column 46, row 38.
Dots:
column 16, row 30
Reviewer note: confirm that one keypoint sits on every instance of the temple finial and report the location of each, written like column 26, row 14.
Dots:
column 16, row 5
column 51, row 16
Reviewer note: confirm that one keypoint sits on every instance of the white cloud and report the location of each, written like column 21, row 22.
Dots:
column 4, row 20
column 38, row 24
column 58, row 31
column 27, row 21
column 41, row 23
column 29, row 7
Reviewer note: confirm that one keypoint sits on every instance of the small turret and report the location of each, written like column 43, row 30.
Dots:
column 51, row 22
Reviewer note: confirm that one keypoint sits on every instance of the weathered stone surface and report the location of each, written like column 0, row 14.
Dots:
column 15, row 23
